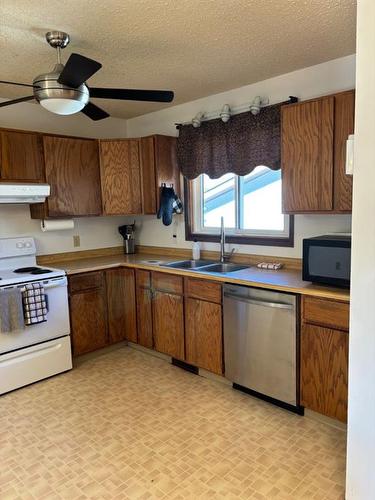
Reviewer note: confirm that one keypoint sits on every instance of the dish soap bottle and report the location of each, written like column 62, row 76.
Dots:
column 196, row 250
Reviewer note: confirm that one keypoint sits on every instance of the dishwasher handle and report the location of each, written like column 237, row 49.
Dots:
column 262, row 303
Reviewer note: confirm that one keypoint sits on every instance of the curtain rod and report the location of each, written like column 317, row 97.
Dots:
column 226, row 112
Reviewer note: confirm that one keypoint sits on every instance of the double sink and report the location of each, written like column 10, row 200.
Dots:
column 206, row 266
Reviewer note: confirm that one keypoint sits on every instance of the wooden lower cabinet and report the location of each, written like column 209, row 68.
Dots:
column 168, row 323
column 102, row 309
column 203, row 331
column 122, row 323
column 144, row 308
column 324, row 359
column 88, row 316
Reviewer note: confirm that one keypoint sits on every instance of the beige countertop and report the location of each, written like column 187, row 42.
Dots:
column 288, row 280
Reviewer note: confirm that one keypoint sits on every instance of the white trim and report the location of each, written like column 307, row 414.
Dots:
column 198, row 228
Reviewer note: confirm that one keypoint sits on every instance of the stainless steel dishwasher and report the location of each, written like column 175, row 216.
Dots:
column 260, row 343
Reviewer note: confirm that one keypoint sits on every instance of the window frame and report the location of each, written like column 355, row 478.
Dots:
column 242, row 239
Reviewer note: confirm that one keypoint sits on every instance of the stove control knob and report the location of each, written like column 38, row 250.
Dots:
column 20, row 245
column 28, row 244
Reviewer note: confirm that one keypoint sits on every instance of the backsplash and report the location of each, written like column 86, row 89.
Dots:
column 150, row 231
column 94, row 232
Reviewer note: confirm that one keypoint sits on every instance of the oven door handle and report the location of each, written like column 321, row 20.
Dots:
column 54, row 284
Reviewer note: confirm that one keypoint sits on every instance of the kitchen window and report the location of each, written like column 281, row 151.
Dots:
column 250, row 205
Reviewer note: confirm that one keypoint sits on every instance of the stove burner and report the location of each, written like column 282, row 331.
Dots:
column 32, row 270
column 25, row 269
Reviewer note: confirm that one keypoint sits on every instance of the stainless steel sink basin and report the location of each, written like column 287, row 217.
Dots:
column 189, row 264
column 223, row 268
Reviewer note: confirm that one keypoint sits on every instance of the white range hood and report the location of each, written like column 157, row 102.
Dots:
column 23, row 193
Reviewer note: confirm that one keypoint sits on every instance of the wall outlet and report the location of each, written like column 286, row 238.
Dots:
column 175, row 231
column 76, row 240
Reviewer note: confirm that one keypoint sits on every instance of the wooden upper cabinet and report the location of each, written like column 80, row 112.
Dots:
column 344, row 126
column 72, row 170
column 313, row 150
column 307, row 155
column 21, row 156
column 121, row 176
column 159, row 165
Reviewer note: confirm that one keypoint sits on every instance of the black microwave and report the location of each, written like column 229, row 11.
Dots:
column 326, row 260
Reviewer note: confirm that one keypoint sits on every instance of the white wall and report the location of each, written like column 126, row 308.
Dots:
column 30, row 116
column 102, row 232
column 361, row 419
column 94, row 232
column 321, row 79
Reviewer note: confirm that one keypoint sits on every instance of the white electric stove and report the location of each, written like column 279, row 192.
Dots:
column 41, row 350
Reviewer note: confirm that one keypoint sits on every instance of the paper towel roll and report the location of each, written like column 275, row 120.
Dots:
column 56, row 225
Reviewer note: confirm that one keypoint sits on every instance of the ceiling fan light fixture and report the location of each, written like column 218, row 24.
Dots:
column 61, row 106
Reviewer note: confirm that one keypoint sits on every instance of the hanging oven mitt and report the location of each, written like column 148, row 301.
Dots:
column 167, row 200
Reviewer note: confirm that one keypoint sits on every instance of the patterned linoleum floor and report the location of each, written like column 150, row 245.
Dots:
column 127, row 425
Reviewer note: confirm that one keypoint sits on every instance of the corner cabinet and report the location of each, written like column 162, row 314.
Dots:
column 72, row 170
column 102, row 309
column 313, row 146
column 324, row 356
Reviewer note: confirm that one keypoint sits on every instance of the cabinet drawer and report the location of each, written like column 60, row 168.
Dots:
column 86, row 281
column 203, row 289
column 143, row 278
column 167, row 283
column 326, row 313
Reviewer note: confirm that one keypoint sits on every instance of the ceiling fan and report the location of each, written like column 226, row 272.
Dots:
column 64, row 90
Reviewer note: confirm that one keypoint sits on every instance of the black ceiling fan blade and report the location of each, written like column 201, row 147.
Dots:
column 132, row 94
column 19, row 84
column 77, row 70
column 94, row 112
column 15, row 101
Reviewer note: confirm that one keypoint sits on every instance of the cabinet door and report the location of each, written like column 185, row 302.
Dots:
column 144, row 309
column 203, row 335
column 122, row 323
column 324, row 370
column 168, row 320
column 307, row 156
column 121, row 177
column 166, row 169
column 148, row 175
column 88, row 320
column 72, row 170
column 344, row 125
column 21, row 156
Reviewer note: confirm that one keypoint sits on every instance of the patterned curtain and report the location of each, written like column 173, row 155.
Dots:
column 238, row 146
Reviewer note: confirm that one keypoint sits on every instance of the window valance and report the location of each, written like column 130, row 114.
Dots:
column 238, row 146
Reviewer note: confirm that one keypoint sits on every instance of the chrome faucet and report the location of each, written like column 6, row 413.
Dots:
column 223, row 256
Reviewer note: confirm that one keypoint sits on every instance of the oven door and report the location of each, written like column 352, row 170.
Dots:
column 57, row 324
